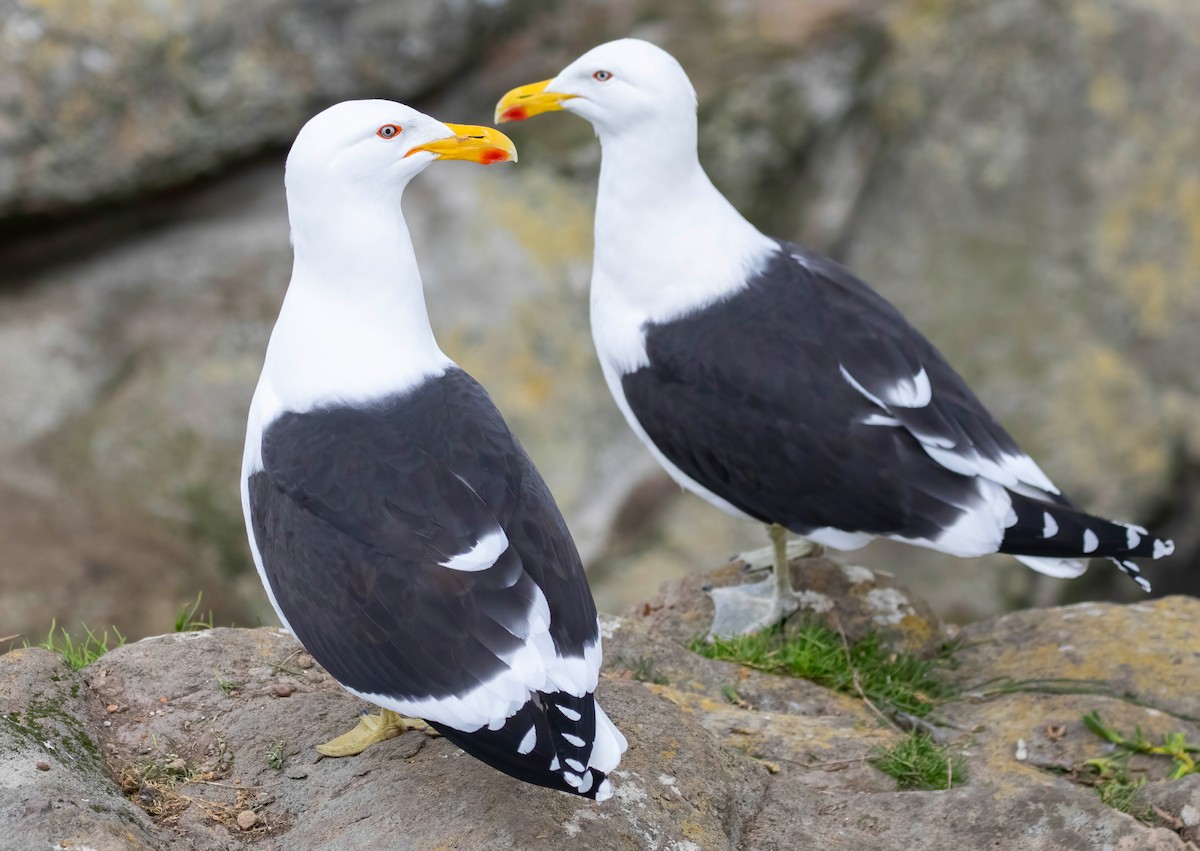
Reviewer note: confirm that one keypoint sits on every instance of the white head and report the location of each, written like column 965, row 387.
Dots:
column 362, row 153
column 627, row 87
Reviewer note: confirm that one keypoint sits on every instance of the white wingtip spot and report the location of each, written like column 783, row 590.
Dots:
column 1163, row 548
column 576, row 765
column 569, row 713
column 573, row 739
column 1133, row 536
column 1090, row 541
column 573, row 780
column 555, row 765
column 1050, row 525
column 604, row 791
column 527, row 743
column 585, row 785
column 1143, row 583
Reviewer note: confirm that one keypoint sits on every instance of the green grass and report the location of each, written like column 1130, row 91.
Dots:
column 275, row 757
column 894, row 682
column 79, row 652
column 918, row 762
column 643, row 670
column 1174, row 745
column 189, row 619
column 1110, row 775
column 225, row 685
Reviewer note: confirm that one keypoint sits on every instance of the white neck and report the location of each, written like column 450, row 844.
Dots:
column 353, row 326
column 667, row 242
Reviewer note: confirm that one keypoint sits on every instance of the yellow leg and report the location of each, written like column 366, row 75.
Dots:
column 371, row 729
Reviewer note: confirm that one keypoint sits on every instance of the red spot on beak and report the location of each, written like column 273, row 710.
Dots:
column 490, row 157
column 515, row 113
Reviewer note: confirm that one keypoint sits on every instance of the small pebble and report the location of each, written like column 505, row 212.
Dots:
column 162, row 700
column 284, row 690
column 247, row 819
column 107, row 723
column 112, row 707
column 304, row 661
column 43, row 766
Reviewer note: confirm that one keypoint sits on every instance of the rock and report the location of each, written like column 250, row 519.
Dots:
column 437, row 793
column 1175, row 802
column 117, row 100
column 130, row 355
column 857, row 599
column 1144, row 652
column 47, row 720
column 783, row 763
column 1034, row 208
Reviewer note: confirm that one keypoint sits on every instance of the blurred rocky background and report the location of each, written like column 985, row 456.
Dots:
column 1022, row 177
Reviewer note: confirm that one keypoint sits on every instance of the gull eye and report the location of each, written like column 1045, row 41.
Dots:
column 388, row 131
column 602, row 76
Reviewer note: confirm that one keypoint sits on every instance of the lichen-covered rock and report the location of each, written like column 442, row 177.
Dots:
column 845, row 596
column 1146, row 652
column 104, row 100
column 1034, row 208
column 205, row 741
column 209, row 700
column 1177, row 802
column 56, row 791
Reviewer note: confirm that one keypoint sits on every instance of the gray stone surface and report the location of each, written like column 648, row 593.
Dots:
column 1034, row 208
column 205, row 741
column 1035, row 217
column 105, row 100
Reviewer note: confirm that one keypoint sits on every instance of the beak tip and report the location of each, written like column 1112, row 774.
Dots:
column 511, row 113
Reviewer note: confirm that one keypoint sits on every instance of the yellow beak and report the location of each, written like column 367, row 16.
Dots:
column 474, row 144
column 527, row 101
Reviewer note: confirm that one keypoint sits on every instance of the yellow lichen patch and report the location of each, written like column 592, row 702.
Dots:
column 917, row 632
column 1188, row 197
column 1147, row 287
column 1108, row 95
column 794, row 737
column 1095, row 21
column 546, row 218
column 1148, row 236
column 918, row 21
column 1092, row 392
column 1147, row 650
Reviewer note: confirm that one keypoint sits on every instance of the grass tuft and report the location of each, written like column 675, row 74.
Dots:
column 1110, row 775
column 275, row 756
column 189, row 619
column 895, row 682
column 79, row 652
column 918, row 762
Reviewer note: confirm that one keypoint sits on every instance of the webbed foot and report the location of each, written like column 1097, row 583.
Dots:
column 371, row 729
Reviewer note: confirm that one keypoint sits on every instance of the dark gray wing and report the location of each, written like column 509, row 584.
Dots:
column 356, row 512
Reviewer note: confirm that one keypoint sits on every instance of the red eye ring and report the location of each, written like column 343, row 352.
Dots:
column 388, row 131
column 602, row 76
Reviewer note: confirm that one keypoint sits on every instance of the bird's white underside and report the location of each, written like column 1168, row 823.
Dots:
column 374, row 342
